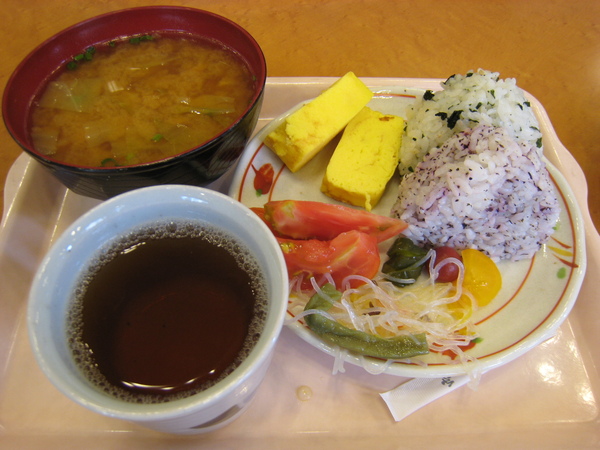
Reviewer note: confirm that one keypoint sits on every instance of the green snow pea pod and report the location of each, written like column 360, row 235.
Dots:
column 399, row 347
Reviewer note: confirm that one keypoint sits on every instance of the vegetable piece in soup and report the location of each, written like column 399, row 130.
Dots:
column 140, row 100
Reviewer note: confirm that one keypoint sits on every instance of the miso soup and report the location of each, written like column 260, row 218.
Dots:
column 140, row 100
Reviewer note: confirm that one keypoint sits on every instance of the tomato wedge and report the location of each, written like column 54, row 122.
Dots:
column 260, row 212
column 350, row 253
column 300, row 219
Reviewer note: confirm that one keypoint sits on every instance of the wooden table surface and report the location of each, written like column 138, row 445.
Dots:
column 551, row 47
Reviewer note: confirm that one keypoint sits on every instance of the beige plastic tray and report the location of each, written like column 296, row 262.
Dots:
column 548, row 398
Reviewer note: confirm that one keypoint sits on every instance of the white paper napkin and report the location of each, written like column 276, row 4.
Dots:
column 418, row 392
column 412, row 395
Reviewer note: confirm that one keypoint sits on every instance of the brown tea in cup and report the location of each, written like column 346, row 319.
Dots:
column 167, row 312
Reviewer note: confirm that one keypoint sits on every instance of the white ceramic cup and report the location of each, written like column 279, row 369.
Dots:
column 52, row 293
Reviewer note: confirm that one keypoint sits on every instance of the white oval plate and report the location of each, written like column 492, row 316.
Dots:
column 536, row 296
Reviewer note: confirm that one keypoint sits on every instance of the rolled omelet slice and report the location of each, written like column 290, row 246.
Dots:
column 365, row 159
column 307, row 130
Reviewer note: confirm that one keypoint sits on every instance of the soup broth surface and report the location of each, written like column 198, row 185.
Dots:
column 134, row 103
column 167, row 313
